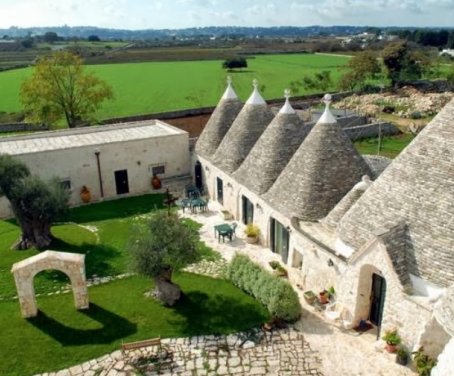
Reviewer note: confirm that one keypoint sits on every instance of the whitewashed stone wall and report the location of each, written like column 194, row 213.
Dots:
column 80, row 165
column 445, row 365
column 322, row 269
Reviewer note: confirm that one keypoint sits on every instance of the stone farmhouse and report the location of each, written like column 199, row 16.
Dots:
column 111, row 161
column 380, row 233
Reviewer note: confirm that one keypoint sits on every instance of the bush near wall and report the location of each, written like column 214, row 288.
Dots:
column 273, row 292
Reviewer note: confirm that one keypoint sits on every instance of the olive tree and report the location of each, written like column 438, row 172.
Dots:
column 35, row 203
column 161, row 246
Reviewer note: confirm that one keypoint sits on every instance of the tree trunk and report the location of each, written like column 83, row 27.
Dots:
column 166, row 291
column 34, row 234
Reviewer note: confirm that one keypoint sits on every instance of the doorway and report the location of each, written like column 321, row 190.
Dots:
column 121, row 182
column 279, row 239
column 377, row 300
column 198, row 176
column 220, row 190
column 248, row 210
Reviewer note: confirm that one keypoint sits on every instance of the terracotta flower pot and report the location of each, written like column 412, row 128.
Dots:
column 391, row 348
column 323, row 297
column 156, row 182
column 251, row 239
column 85, row 194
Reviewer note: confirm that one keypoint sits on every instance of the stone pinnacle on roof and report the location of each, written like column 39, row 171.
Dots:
column 273, row 150
column 417, row 188
column 255, row 97
column 229, row 92
column 321, row 172
column 219, row 123
column 287, row 107
column 244, row 132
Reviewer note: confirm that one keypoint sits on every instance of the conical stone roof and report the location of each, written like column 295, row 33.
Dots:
column 417, row 188
column 244, row 133
column 273, row 150
column 321, row 172
column 219, row 123
column 335, row 215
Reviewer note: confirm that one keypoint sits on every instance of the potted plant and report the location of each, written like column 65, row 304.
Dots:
column 402, row 356
column 156, row 182
column 323, row 297
column 85, row 194
column 227, row 215
column 252, row 233
column 423, row 362
column 310, row 297
column 392, row 339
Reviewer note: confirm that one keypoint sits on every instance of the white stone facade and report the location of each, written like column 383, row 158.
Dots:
column 156, row 144
column 316, row 267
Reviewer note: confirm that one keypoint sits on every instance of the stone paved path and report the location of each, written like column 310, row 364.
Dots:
column 281, row 352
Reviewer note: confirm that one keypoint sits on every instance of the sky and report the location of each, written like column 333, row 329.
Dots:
column 177, row 14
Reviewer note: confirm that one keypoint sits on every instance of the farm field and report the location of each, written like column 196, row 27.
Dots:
column 164, row 86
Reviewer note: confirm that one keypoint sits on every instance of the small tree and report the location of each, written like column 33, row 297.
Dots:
column 59, row 87
column 233, row 63
column 321, row 81
column 50, row 37
column 159, row 248
column 403, row 63
column 93, row 38
column 35, row 204
column 362, row 67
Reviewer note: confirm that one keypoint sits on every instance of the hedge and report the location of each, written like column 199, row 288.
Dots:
column 275, row 293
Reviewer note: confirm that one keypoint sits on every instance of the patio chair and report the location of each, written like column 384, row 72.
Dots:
column 234, row 226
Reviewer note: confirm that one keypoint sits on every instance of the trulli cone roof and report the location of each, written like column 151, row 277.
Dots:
column 417, row 188
column 244, row 133
column 272, row 151
column 321, row 172
column 219, row 123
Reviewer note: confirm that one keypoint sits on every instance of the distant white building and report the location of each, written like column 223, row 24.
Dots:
column 447, row 51
column 110, row 160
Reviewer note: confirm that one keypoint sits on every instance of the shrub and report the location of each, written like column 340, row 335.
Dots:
column 252, row 230
column 423, row 362
column 274, row 293
column 236, row 62
column 392, row 337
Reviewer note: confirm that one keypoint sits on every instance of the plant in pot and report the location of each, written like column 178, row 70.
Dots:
column 423, row 362
column 310, row 297
column 392, row 339
column 402, row 356
column 323, row 297
column 252, row 233
column 85, row 194
column 156, row 182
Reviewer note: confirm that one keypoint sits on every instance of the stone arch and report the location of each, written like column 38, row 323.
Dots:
column 72, row 264
column 363, row 301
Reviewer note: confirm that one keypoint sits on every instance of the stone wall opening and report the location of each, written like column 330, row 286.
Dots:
column 370, row 296
column 71, row 264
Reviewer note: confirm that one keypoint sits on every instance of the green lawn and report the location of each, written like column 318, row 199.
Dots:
column 390, row 147
column 164, row 86
column 61, row 336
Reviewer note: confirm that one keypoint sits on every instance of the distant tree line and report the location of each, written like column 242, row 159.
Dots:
column 434, row 38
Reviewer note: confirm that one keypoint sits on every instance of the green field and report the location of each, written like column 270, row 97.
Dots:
column 164, row 86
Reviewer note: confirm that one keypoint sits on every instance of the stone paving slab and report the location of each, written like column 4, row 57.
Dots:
column 280, row 352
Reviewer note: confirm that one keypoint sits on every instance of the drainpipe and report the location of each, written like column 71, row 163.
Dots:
column 97, row 152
